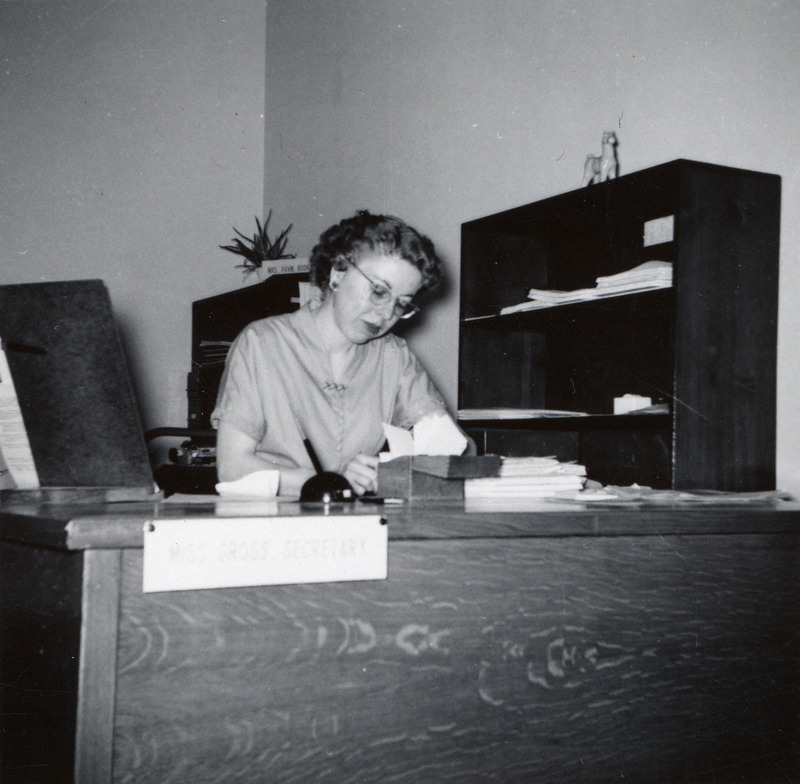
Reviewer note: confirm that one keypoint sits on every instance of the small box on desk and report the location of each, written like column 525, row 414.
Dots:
column 436, row 476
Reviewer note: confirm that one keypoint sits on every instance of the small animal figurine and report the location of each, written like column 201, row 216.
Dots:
column 604, row 166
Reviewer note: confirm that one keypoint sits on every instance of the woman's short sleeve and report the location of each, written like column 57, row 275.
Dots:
column 416, row 395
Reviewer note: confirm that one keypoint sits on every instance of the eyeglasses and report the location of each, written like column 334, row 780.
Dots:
column 381, row 296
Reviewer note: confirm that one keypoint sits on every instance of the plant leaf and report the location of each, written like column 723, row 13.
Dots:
column 259, row 248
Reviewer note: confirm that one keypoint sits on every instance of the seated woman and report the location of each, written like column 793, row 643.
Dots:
column 331, row 372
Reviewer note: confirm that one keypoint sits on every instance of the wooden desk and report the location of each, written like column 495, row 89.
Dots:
column 561, row 644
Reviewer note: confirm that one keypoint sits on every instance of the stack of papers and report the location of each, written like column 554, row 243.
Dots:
column 306, row 292
column 212, row 351
column 549, row 298
column 528, row 477
column 650, row 275
column 555, row 297
column 645, row 277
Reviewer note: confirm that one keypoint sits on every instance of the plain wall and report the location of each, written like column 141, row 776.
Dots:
column 131, row 141
column 441, row 111
column 135, row 134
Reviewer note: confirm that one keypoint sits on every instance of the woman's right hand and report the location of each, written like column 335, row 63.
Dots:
column 362, row 473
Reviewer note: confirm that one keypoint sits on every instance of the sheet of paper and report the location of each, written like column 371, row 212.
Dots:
column 435, row 434
column 17, row 457
column 6, row 480
column 401, row 442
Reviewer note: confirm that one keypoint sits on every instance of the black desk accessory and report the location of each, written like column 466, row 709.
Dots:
column 324, row 487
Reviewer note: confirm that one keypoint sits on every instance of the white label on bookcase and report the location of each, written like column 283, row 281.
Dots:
column 659, row 230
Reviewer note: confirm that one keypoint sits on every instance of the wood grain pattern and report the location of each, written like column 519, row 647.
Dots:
column 726, row 330
column 98, row 660
column 646, row 659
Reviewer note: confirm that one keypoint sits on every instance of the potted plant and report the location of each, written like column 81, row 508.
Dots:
column 260, row 248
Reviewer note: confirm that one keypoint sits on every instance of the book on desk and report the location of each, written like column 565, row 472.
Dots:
column 73, row 394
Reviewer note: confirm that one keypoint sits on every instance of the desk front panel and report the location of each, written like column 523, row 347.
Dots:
column 40, row 633
column 581, row 659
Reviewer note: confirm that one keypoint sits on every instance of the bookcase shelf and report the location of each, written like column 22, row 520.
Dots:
column 661, row 300
column 706, row 347
column 658, row 421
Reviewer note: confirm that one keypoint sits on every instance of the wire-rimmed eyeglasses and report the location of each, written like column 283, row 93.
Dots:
column 381, row 296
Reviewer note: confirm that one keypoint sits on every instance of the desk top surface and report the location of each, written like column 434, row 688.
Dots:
column 120, row 525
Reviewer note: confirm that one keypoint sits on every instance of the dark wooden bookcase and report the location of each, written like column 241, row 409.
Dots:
column 706, row 348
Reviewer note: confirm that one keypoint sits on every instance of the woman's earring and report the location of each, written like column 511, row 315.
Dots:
column 333, row 285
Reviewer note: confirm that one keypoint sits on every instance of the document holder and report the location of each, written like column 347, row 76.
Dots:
column 74, row 391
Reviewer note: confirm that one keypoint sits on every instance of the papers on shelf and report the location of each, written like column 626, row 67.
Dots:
column 516, row 413
column 553, row 297
column 645, row 277
column 651, row 273
column 549, row 298
column 307, row 292
column 213, row 351
column 528, row 477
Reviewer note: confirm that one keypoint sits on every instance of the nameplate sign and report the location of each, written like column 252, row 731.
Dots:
column 192, row 554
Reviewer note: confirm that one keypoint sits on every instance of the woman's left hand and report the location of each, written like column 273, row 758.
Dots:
column 362, row 473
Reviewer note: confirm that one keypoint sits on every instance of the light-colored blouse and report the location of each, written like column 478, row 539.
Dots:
column 278, row 388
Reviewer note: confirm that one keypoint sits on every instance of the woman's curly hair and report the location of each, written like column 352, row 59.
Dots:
column 345, row 242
